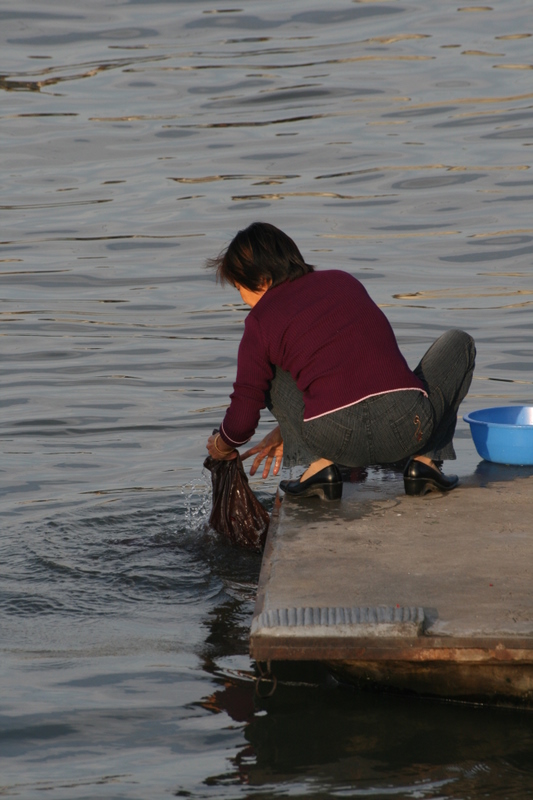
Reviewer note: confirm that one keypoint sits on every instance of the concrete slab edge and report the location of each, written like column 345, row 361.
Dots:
column 355, row 621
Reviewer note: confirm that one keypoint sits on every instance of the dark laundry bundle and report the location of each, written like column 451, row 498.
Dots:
column 236, row 514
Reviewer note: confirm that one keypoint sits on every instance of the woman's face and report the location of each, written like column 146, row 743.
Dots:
column 249, row 297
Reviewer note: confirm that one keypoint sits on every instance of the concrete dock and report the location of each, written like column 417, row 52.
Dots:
column 430, row 594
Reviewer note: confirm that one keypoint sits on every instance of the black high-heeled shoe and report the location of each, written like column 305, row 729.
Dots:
column 326, row 484
column 419, row 478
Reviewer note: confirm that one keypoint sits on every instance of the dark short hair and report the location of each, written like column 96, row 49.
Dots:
column 259, row 254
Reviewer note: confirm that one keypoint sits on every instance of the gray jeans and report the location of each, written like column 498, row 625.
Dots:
column 386, row 428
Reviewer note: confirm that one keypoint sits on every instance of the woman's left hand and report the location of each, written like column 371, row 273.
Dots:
column 271, row 449
column 218, row 449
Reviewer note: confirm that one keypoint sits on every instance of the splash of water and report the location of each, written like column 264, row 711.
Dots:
column 197, row 502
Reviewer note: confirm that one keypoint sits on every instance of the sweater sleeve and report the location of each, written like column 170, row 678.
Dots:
column 254, row 374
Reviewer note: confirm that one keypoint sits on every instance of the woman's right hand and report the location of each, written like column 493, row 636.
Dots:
column 218, row 449
column 271, row 448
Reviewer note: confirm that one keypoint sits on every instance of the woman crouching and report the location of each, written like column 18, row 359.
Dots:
column 321, row 355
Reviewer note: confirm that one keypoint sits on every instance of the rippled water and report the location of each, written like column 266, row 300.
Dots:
column 390, row 139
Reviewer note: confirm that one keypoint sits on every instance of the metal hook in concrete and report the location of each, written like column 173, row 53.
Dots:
column 265, row 676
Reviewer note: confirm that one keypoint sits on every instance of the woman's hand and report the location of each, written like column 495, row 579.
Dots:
column 271, row 448
column 218, row 449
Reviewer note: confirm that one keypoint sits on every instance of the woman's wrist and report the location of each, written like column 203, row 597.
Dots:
column 223, row 452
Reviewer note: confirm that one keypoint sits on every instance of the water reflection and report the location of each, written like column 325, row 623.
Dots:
column 317, row 741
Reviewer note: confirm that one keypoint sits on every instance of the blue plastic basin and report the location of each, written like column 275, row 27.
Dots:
column 503, row 434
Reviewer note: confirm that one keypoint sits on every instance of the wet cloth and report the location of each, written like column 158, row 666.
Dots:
column 386, row 428
column 329, row 335
column 236, row 513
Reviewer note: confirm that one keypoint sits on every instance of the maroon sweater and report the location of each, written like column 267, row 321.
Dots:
column 329, row 334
